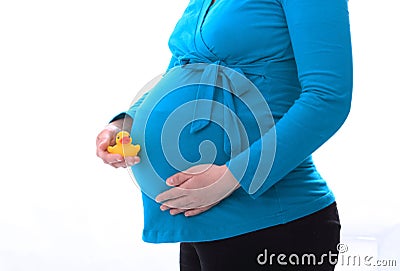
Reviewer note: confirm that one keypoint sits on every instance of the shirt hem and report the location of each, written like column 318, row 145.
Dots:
column 152, row 236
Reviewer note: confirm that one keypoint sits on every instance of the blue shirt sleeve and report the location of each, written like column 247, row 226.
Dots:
column 320, row 37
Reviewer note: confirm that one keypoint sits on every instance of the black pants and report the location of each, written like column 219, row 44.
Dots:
column 308, row 244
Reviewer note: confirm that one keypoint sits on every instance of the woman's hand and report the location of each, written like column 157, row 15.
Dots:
column 197, row 190
column 107, row 138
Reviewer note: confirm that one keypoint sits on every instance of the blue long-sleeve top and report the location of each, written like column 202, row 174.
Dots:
column 298, row 54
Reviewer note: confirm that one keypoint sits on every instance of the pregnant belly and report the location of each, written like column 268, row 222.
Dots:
column 164, row 128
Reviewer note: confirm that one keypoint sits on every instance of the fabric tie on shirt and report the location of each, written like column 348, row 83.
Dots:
column 232, row 79
column 213, row 76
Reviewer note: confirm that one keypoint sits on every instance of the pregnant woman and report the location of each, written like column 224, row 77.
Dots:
column 253, row 88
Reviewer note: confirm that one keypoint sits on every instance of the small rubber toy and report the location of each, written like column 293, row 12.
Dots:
column 123, row 145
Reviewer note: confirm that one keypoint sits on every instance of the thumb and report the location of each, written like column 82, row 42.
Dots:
column 104, row 143
column 178, row 179
column 104, row 140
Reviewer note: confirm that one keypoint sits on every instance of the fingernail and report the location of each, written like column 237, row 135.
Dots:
column 170, row 181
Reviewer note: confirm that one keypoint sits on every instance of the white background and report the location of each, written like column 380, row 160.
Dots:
column 67, row 67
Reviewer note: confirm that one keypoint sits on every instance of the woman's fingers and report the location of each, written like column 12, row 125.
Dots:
column 132, row 160
column 178, row 179
column 105, row 139
column 172, row 195
column 178, row 198
column 109, row 158
column 197, row 211
column 197, row 190
column 190, row 212
column 119, row 161
column 200, row 210
column 187, row 212
column 177, row 211
column 181, row 177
